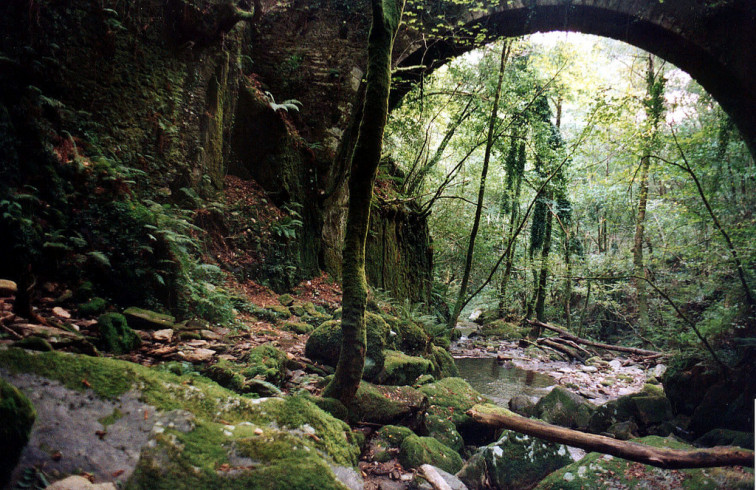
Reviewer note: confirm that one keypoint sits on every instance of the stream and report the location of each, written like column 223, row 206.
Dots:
column 501, row 382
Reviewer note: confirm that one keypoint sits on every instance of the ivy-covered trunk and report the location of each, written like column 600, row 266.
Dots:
column 364, row 166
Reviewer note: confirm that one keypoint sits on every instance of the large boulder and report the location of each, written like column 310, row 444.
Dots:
column 514, row 461
column 17, row 415
column 399, row 405
column 565, row 408
column 416, row 451
column 401, row 369
column 443, row 363
column 438, row 425
column 324, row 344
column 598, row 470
column 648, row 410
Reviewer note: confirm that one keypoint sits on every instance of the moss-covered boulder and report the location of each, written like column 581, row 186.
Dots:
column 413, row 339
column 416, row 451
column 649, row 409
column 597, row 470
column 438, row 425
column 299, row 328
column 565, row 408
column 17, row 415
column 233, row 441
column 115, row 334
column 401, row 369
column 34, row 343
column 443, row 363
column 514, row 461
column 266, row 362
column 324, row 344
column 286, row 299
column 726, row 437
column 455, row 396
column 502, row 330
column 148, row 320
column 386, row 442
column 93, row 307
column 399, row 405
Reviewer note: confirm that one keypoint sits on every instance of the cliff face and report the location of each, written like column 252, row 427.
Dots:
column 117, row 118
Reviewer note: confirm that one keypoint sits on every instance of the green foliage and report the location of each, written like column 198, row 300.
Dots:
column 286, row 105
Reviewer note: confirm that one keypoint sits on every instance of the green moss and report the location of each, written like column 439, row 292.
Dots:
column 189, row 336
column 228, row 375
column 598, row 471
column 386, row 404
column 416, row 451
column 332, row 406
column 17, row 414
column 298, row 327
column 112, row 418
column 455, row 394
column 324, row 344
column 414, row 338
column 394, row 435
column 439, row 426
column 110, row 378
column 267, row 362
column 401, row 369
column 34, row 343
column 514, row 461
column 443, row 363
column 115, row 334
column 502, row 330
column 565, row 408
column 286, row 299
column 93, row 307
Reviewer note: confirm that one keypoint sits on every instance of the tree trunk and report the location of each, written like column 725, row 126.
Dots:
column 364, row 166
column 544, row 274
column 638, row 270
column 633, row 451
column 481, row 192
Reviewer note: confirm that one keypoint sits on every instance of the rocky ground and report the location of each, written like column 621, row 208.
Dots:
column 140, row 409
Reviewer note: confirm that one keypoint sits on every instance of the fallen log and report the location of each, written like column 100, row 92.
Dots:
column 434, row 477
column 599, row 345
column 569, row 352
column 633, row 451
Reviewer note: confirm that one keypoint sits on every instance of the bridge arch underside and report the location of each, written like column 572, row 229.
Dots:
column 719, row 52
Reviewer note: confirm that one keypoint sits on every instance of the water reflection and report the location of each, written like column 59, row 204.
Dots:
column 502, row 382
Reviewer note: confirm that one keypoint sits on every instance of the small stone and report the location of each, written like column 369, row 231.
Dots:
column 258, row 431
column 7, row 288
column 589, row 369
column 77, row 482
column 198, row 355
column 164, row 335
column 61, row 313
column 148, row 320
column 210, row 335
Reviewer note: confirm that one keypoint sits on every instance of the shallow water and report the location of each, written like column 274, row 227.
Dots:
column 502, row 382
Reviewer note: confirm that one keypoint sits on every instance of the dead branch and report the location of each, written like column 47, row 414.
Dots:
column 599, row 345
column 633, row 451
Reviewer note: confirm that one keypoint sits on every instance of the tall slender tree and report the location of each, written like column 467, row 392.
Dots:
column 364, row 166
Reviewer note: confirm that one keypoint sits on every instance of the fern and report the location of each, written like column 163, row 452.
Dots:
column 287, row 104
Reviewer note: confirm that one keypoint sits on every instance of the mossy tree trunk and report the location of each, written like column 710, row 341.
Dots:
column 364, row 165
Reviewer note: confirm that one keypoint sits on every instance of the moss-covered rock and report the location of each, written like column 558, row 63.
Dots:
column 286, row 299
column 299, row 328
column 416, row 451
column 115, row 334
column 646, row 408
column 412, row 336
column 443, row 363
column 195, row 459
column 324, row 344
column 726, row 437
column 388, row 405
column 502, row 330
column 454, row 395
column 438, row 425
column 93, row 307
column 596, row 470
column 34, row 343
column 514, row 461
column 263, row 364
column 401, row 369
column 266, row 362
column 17, row 415
column 148, row 320
column 565, row 408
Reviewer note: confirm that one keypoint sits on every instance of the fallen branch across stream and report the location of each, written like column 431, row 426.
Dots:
column 633, row 451
column 618, row 348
